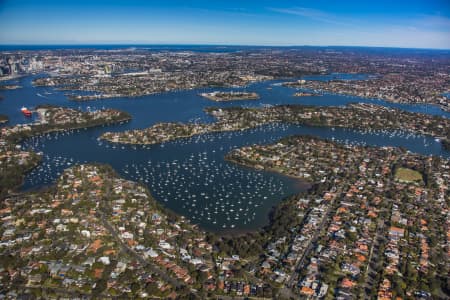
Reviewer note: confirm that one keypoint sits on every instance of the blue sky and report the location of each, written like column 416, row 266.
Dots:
column 396, row 23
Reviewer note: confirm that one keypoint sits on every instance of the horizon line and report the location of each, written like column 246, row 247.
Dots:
column 213, row 44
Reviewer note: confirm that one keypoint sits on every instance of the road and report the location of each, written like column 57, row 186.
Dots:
column 311, row 243
column 286, row 291
column 125, row 248
column 374, row 263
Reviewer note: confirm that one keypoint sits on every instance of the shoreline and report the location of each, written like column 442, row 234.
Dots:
column 54, row 130
column 36, row 161
column 347, row 94
column 303, row 94
column 240, row 119
column 272, row 170
column 9, row 77
column 284, row 84
column 174, row 138
column 230, row 96
column 14, row 138
column 105, row 95
column 10, row 87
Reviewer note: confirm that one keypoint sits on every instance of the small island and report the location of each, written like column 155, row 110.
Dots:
column 230, row 96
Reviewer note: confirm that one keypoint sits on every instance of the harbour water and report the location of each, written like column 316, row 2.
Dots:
column 190, row 176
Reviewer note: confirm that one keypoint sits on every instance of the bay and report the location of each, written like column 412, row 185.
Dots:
column 190, row 176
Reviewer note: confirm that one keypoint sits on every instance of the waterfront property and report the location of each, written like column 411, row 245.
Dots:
column 229, row 96
column 360, row 116
column 14, row 162
column 339, row 248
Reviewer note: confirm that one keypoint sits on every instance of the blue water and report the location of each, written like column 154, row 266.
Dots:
column 189, row 105
column 194, row 48
column 392, row 52
column 190, row 176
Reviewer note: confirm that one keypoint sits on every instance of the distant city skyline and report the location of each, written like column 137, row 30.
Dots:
column 406, row 24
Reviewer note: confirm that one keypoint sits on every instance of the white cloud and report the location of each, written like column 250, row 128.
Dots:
column 310, row 13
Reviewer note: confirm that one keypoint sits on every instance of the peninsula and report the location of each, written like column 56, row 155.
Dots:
column 230, row 96
column 326, row 242
column 10, row 87
column 361, row 194
column 397, row 88
column 55, row 118
column 357, row 116
column 14, row 162
column 306, row 94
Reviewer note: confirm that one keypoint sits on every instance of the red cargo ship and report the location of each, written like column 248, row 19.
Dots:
column 26, row 112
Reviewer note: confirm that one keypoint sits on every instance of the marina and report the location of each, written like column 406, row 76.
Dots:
column 190, row 175
column 225, row 150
